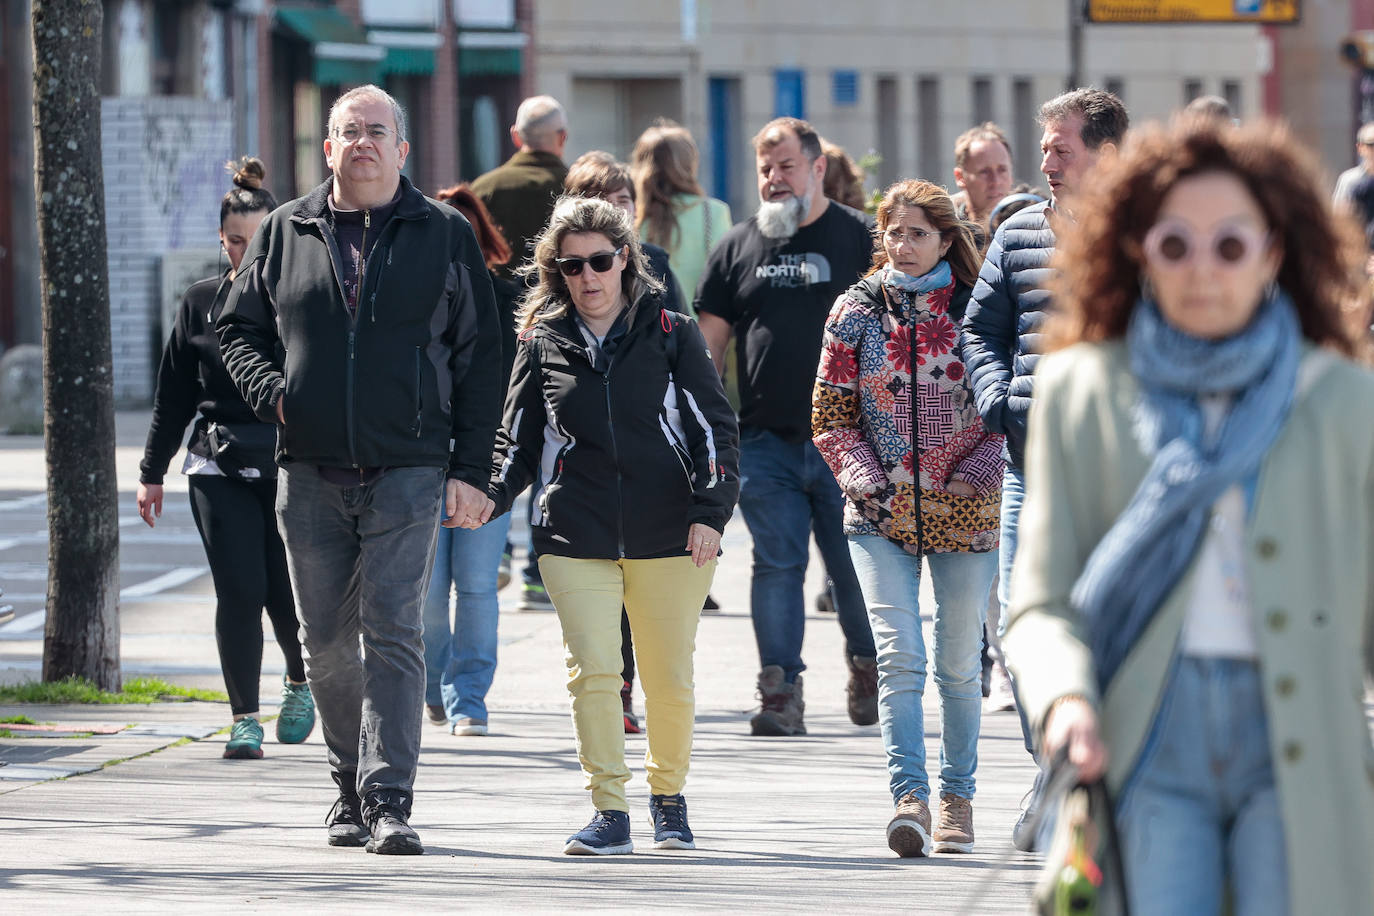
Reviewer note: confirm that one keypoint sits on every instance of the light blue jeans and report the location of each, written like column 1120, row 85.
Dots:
column 891, row 582
column 460, row 662
column 1201, row 813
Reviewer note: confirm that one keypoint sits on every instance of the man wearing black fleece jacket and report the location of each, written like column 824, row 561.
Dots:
column 386, row 404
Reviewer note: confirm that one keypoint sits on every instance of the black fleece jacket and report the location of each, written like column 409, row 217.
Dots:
column 633, row 443
column 417, row 368
column 192, row 379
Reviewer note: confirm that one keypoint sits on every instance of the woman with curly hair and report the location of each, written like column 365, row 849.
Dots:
column 894, row 417
column 1192, row 610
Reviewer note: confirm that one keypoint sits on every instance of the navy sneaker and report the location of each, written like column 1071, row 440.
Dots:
column 668, row 814
column 608, row 834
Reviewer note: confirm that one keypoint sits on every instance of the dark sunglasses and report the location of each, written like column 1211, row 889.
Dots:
column 571, row 267
column 1173, row 244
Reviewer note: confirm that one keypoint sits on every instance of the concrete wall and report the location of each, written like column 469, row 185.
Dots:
column 1008, row 44
column 164, row 177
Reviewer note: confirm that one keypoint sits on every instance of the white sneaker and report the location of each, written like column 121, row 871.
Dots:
column 1000, row 696
column 469, row 727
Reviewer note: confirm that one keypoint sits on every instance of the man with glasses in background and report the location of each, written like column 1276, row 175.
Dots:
column 362, row 322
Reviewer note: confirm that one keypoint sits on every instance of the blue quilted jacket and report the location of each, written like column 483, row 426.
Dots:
column 1001, row 332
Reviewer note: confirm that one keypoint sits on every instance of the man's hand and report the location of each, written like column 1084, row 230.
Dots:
column 150, row 502
column 281, row 410
column 716, row 330
column 465, row 506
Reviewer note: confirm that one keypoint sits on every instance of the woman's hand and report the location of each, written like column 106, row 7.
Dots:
column 1072, row 724
column 961, row 488
column 150, row 502
column 704, row 542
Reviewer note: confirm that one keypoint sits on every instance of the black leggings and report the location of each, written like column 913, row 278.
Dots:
column 627, row 649
column 237, row 520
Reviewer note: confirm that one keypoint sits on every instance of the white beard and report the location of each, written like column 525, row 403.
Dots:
column 780, row 219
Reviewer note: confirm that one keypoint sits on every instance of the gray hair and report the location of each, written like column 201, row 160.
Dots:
column 376, row 93
column 550, row 298
column 537, row 118
column 1103, row 114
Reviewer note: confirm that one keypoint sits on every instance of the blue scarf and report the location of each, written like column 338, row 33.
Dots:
column 937, row 277
column 1144, row 554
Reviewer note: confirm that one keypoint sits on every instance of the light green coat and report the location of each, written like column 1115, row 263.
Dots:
column 1309, row 542
column 688, row 251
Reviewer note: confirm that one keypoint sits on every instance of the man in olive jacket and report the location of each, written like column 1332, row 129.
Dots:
column 362, row 322
column 520, row 192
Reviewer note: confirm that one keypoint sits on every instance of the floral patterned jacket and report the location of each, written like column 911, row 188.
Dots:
column 862, row 421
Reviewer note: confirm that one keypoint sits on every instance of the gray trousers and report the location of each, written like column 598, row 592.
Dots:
column 360, row 560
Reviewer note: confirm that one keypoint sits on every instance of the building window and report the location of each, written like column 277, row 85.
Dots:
column 1191, row 89
column 982, row 99
column 844, row 88
column 928, row 125
column 1230, row 90
column 789, row 94
column 725, row 116
column 889, row 136
column 1025, row 131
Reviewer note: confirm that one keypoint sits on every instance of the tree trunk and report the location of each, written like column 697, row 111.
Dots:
column 81, row 636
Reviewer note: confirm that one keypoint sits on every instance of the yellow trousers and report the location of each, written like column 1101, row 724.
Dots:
column 663, row 599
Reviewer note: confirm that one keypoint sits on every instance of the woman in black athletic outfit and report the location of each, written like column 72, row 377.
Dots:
column 233, row 483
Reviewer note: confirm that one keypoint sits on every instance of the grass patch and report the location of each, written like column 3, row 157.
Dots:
column 17, row 720
column 79, row 690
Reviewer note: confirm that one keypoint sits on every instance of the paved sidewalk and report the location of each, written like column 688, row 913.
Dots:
column 782, row 824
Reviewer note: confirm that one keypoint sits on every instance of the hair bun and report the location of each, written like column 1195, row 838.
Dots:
column 248, row 172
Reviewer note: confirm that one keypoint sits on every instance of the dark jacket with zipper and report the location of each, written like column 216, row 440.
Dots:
column 633, row 445
column 419, row 366
column 1001, row 333
column 191, row 380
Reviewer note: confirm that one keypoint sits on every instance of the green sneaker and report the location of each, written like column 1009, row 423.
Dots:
column 534, row 598
column 297, row 718
column 245, row 740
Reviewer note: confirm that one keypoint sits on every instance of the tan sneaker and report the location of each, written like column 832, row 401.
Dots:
column 908, row 833
column 954, row 832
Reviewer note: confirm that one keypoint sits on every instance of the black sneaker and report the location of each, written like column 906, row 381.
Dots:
column 345, row 821
column 391, row 834
column 668, row 814
column 608, row 834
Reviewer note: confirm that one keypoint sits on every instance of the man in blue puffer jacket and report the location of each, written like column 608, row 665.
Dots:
column 1001, row 334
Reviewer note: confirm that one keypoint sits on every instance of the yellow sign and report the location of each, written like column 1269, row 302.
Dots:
column 1251, row 11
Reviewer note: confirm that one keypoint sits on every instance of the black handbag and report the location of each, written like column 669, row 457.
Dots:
column 243, row 446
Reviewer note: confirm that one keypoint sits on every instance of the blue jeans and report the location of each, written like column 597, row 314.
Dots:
column 1013, row 493
column 1201, row 813
column 460, row 663
column 359, row 559
column 891, row 581
column 786, row 492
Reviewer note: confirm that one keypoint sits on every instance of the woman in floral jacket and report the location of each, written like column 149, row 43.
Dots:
column 894, row 418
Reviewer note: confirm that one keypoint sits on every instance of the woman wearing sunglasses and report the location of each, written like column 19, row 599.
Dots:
column 615, row 404
column 1191, row 608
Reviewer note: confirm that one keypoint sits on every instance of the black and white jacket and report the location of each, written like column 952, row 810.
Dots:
column 632, row 440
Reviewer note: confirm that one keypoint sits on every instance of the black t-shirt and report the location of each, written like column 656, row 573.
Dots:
column 1362, row 196
column 777, row 294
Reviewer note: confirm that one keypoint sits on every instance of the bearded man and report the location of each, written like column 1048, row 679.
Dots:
column 771, row 281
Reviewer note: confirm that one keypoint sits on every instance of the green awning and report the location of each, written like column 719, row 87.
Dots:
column 319, row 24
column 489, row 61
column 343, row 56
column 409, row 61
